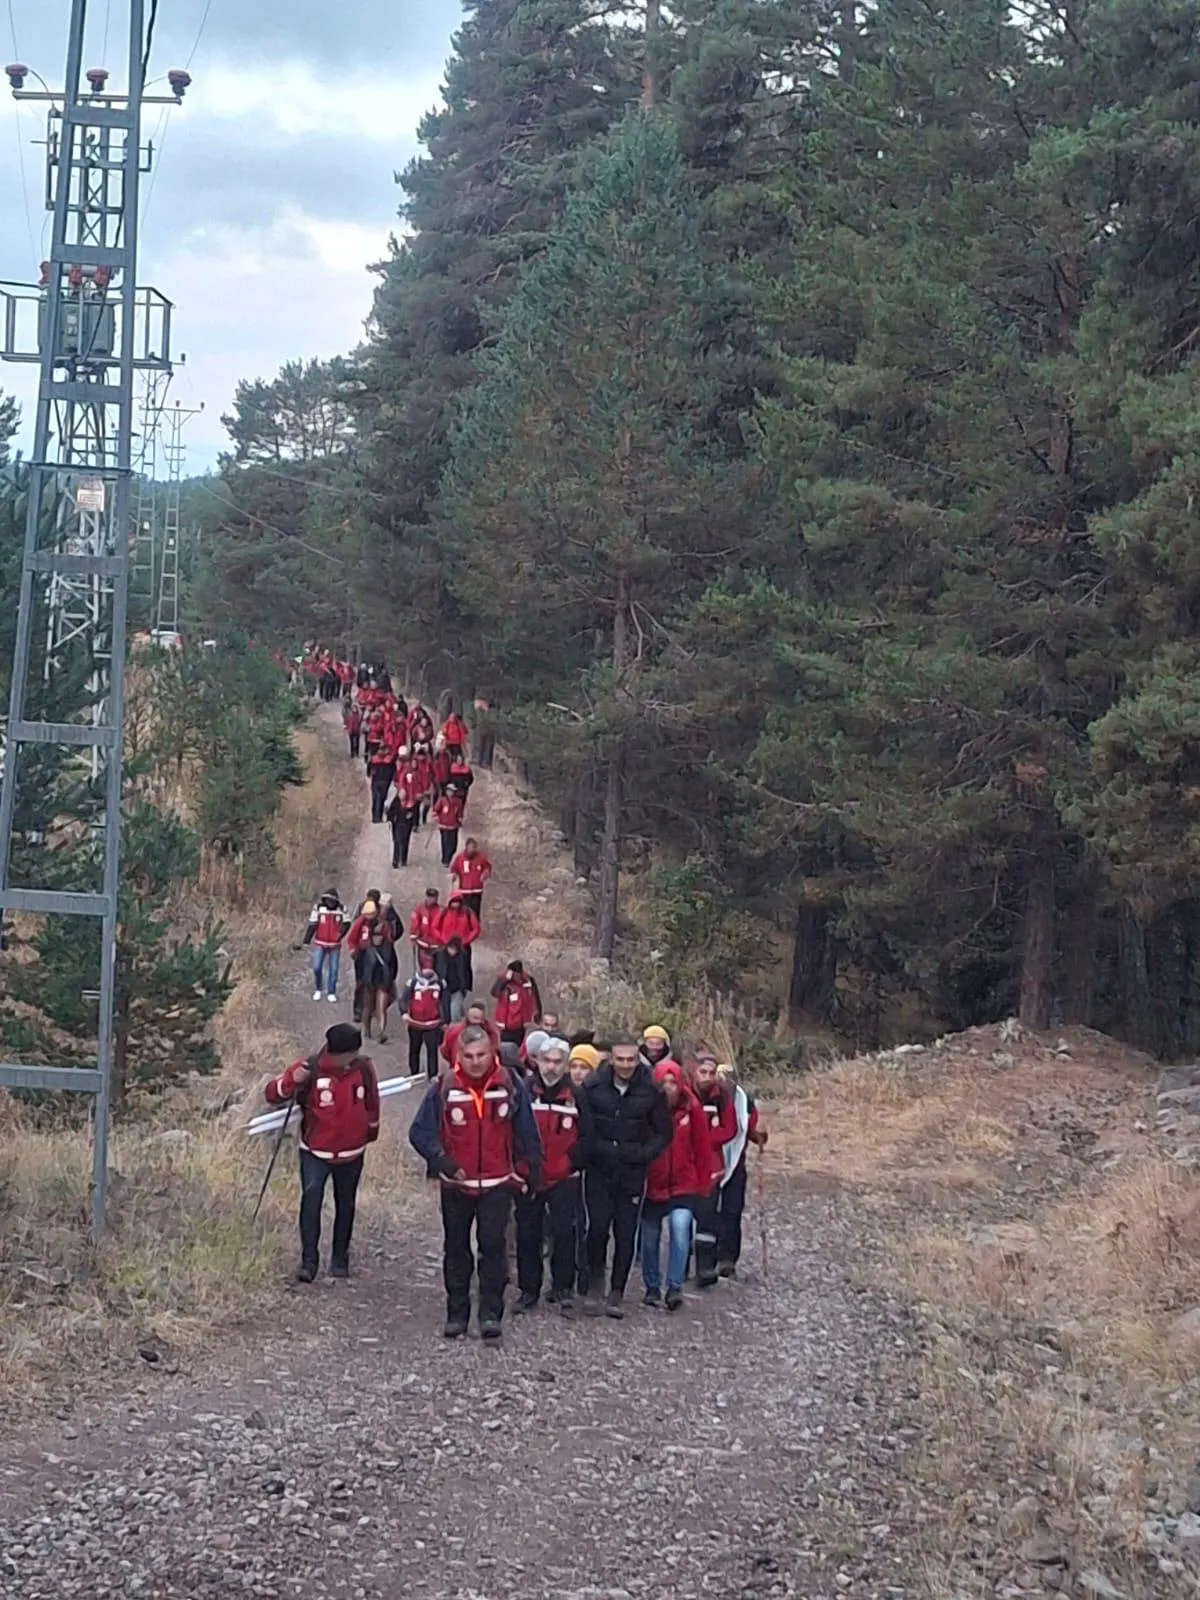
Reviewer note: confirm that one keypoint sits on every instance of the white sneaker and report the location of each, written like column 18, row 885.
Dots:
column 316, row 994
column 332, row 999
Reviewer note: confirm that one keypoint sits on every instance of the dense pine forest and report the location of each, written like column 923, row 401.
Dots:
column 785, row 413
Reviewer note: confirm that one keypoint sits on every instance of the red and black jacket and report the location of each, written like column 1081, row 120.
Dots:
column 326, row 926
column 454, row 1032
column 470, row 873
column 561, row 1128
column 423, row 926
column 340, row 1106
column 482, row 1129
column 424, row 1001
column 684, row 1170
column 408, row 788
column 449, row 811
column 721, row 1114
column 517, row 1002
column 458, row 922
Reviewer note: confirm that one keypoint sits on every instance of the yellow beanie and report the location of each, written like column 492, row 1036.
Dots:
column 588, row 1054
column 370, row 909
column 655, row 1032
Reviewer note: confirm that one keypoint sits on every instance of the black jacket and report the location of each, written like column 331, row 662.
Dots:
column 454, row 970
column 627, row 1131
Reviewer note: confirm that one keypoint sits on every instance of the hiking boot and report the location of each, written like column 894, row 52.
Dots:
column 306, row 1272
column 591, row 1304
column 652, row 1298
column 490, row 1329
column 614, row 1305
column 553, row 1297
column 726, row 1269
column 705, row 1280
column 455, row 1328
column 339, row 1269
column 674, row 1299
column 527, row 1302
column 317, row 994
column 566, row 1305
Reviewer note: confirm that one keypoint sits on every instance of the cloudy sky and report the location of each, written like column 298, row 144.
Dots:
column 275, row 181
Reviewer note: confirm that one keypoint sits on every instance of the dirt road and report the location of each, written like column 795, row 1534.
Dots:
column 753, row 1445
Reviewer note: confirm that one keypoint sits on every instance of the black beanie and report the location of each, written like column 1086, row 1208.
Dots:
column 342, row 1038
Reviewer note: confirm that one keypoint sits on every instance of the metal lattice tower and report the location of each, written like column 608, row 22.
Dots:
column 92, row 329
column 166, row 615
column 145, row 516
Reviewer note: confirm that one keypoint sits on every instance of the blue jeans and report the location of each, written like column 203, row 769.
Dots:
column 325, row 964
column 678, row 1217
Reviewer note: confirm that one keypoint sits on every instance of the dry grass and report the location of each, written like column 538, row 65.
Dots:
column 1052, row 1251
column 182, row 1255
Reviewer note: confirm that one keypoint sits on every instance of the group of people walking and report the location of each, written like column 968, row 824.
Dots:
column 598, row 1149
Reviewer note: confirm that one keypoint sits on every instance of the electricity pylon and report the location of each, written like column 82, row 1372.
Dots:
column 145, row 516
column 166, row 615
column 93, row 328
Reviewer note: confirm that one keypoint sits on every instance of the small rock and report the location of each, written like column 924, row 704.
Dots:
column 257, row 1420
column 1098, row 1586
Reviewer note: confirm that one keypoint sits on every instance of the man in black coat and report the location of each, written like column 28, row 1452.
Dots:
column 630, row 1127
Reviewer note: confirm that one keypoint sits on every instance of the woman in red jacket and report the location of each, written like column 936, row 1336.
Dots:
column 676, row 1182
column 518, row 1003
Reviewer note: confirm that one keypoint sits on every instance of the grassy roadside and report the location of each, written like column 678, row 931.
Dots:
column 1018, row 1199
column 181, row 1255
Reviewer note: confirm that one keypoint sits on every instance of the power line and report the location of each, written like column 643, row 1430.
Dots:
column 240, row 511
column 33, row 249
column 199, row 34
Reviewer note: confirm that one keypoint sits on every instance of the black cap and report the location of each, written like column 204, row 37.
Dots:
column 342, row 1038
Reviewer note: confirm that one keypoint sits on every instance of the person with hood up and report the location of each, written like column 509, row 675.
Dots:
column 719, row 1111
column 327, row 924
column 459, row 922
column 424, row 1008
column 338, row 1093
column 731, row 1198
column 563, row 1129
column 404, row 812
column 453, row 965
column 518, row 1003
column 631, row 1127
column 656, row 1045
column 387, row 910
column 371, row 944
column 475, row 1128
column 674, row 1184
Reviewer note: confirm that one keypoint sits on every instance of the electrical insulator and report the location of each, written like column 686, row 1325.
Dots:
column 97, row 77
column 180, row 82
column 102, row 277
column 17, row 74
column 75, row 277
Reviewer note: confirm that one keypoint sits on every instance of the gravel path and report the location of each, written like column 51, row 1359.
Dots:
column 755, row 1444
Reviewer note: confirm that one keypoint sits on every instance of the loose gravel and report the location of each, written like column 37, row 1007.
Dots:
column 752, row 1445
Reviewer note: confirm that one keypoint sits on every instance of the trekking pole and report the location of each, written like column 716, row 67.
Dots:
column 274, row 1158
column 761, row 1191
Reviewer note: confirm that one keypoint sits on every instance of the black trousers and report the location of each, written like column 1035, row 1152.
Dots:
column 512, row 1035
column 474, row 902
column 314, row 1175
column 561, row 1204
column 402, row 832
column 731, row 1205
column 449, row 845
column 355, row 743
column 487, row 1212
column 707, row 1225
column 381, row 782
column 427, row 1039
column 614, row 1205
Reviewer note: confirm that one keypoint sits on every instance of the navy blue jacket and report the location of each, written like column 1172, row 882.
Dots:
column 425, row 1132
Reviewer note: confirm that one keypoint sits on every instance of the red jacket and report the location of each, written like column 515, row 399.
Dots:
column 376, row 726
column 454, row 1032
column 721, row 1115
column 683, row 1171
column 340, row 1107
column 353, row 718
column 477, row 1129
column 441, row 768
column 423, row 766
column 360, row 934
column 408, row 788
column 458, row 922
column 557, row 1116
column 454, row 730
column 326, row 927
column 517, row 1003
column 423, row 925
column 449, row 811
column 421, row 1002
column 470, row 873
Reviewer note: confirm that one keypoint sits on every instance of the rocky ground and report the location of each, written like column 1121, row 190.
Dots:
column 755, row 1444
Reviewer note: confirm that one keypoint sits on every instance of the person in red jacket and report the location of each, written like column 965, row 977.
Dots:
column 475, row 1016
column 518, row 1003
column 469, row 871
column 425, row 1008
column 352, row 719
column 475, row 1130
column 338, row 1094
column 731, row 1202
column 454, row 733
column 460, row 922
column 381, row 769
column 676, row 1182
column 448, row 810
column 461, row 776
column 565, row 1134
column 423, row 925
column 721, row 1116
column 327, row 924
column 404, row 813
column 423, row 763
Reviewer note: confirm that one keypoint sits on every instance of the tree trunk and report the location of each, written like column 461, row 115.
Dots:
column 1079, row 949
column 650, row 64
column 605, row 938
column 814, row 968
column 847, row 40
column 1137, row 1011
column 1037, row 953
column 583, row 826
